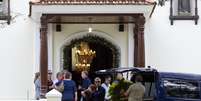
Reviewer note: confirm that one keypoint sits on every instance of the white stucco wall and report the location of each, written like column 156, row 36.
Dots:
column 17, row 54
column 110, row 32
column 168, row 48
column 173, row 48
column 17, row 60
column 20, row 44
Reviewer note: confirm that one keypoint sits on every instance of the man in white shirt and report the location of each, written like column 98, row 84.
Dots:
column 106, row 86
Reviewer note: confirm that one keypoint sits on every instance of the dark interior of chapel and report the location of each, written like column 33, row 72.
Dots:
column 105, row 57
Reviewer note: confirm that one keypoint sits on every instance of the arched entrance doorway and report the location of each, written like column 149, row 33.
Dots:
column 107, row 55
column 113, row 16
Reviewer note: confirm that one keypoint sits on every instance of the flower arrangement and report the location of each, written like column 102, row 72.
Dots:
column 117, row 90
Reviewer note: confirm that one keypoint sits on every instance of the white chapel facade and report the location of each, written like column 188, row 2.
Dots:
column 41, row 33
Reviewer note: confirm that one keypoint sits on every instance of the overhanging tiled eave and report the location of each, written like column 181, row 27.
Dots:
column 145, row 7
column 92, row 9
column 94, row 2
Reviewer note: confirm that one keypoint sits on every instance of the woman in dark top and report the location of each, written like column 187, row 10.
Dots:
column 70, row 90
column 85, row 82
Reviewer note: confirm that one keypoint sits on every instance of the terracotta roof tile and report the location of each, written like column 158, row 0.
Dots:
column 93, row 2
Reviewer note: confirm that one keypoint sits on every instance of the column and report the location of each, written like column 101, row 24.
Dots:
column 43, row 55
column 130, row 45
column 139, row 48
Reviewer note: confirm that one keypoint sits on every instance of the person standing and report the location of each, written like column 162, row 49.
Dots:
column 70, row 90
column 136, row 91
column 85, row 80
column 59, row 77
column 119, row 79
column 85, row 83
column 106, row 86
column 50, row 82
column 37, row 84
column 99, row 94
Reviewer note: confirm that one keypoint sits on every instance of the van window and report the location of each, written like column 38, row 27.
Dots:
column 181, row 88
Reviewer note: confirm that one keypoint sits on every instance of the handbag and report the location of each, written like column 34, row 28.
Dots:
column 60, row 87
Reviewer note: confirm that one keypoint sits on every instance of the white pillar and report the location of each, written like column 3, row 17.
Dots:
column 36, row 49
column 130, row 45
column 50, row 47
column 53, row 95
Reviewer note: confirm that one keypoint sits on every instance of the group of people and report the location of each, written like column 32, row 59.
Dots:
column 50, row 86
column 89, row 91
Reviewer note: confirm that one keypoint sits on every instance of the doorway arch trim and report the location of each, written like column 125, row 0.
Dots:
column 80, row 35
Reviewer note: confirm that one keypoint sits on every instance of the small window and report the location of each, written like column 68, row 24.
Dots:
column 1, row 7
column 5, row 10
column 1, row 2
column 181, row 88
column 184, row 7
column 183, row 10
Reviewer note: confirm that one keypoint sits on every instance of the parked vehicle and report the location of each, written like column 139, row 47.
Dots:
column 163, row 86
